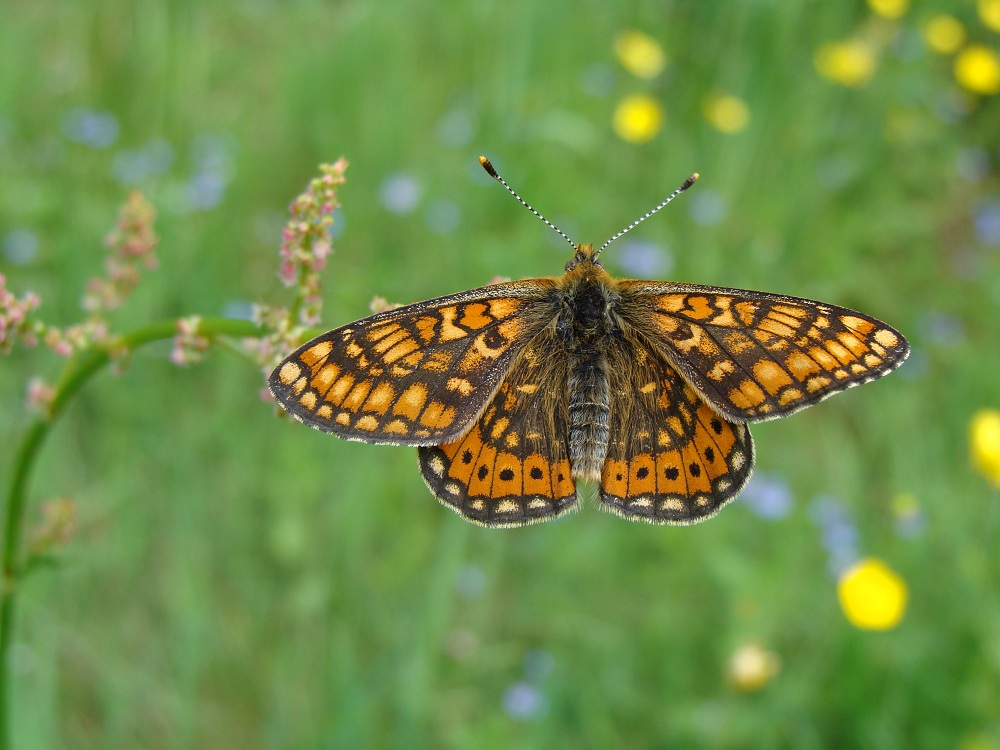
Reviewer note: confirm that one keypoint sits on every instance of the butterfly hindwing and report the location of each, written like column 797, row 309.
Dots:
column 671, row 458
column 417, row 375
column 756, row 356
column 512, row 467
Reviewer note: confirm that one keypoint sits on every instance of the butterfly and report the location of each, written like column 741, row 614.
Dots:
column 515, row 391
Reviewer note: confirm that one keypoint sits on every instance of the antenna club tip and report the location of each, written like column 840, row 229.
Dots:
column 689, row 182
column 488, row 167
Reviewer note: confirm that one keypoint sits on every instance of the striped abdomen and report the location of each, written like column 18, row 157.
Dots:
column 588, row 415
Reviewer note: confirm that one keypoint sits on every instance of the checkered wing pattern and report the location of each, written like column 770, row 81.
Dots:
column 755, row 356
column 671, row 458
column 512, row 467
column 417, row 375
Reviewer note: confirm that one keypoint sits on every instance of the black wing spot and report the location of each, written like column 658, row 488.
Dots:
column 695, row 469
column 642, row 473
column 493, row 339
column 710, row 455
column 671, row 473
column 506, row 475
column 536, row 473
column 483, row 471
column 467, row 457
column 716, row 426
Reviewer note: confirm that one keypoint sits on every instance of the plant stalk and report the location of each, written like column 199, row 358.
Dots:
column 78, row 371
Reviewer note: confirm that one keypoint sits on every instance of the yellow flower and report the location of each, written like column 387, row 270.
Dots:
column 889, row 8
column 984, row 443
column 944, row 34
column 989, row 13
column 638, row 118
column 849, row 63
column 752, row 667
column 977, row 68
column 872, row 595
column 640, row 54
column 727, row 113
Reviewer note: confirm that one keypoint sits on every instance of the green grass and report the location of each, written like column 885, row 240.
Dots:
column 239, row 581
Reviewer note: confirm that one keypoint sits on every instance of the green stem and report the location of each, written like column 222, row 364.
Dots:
column 293, row 313
column 75, row 375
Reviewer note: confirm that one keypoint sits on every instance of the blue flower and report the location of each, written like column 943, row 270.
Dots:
column 837, row 531
column 97, row 129
column 986, row 222
column 523, row 701
column 642, row 259
column 769, row 496
column 401, row 193
column 20, row 246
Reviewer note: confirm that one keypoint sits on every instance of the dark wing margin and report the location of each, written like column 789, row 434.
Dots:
column 756, row 356
column 417, row 375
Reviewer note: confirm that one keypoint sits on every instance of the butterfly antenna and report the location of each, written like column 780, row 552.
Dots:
column 493, row 173
column 687, row 183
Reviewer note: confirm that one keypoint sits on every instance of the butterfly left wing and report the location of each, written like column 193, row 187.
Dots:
column 512, row 467
column 671, row 458
column 756, row 356
column 416, row 375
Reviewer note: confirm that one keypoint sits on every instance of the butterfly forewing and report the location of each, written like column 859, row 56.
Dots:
column 417, row 375
column 671, row 458
column 513, row 466
column 756, row 356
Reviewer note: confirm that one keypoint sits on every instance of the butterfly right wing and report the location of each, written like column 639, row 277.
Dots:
column 416, row 375
column 754, row 355
column 671, row 458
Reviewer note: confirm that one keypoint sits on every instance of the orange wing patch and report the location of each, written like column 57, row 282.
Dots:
column 671, row 458
column 417, row 375
column 756, row 356
column 512, row 467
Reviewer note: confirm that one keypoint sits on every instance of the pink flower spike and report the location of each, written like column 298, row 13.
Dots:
column 132, row 244
column 40, row 395
column 15, row 324
column 189, row 345
column 306, row 242
column 321, row 249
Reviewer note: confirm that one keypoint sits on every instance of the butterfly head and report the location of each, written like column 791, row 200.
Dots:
column 583, row 254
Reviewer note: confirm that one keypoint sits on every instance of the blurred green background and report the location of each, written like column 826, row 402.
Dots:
column 239, row 581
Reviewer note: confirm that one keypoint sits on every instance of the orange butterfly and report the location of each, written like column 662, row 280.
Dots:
column 515, row 390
